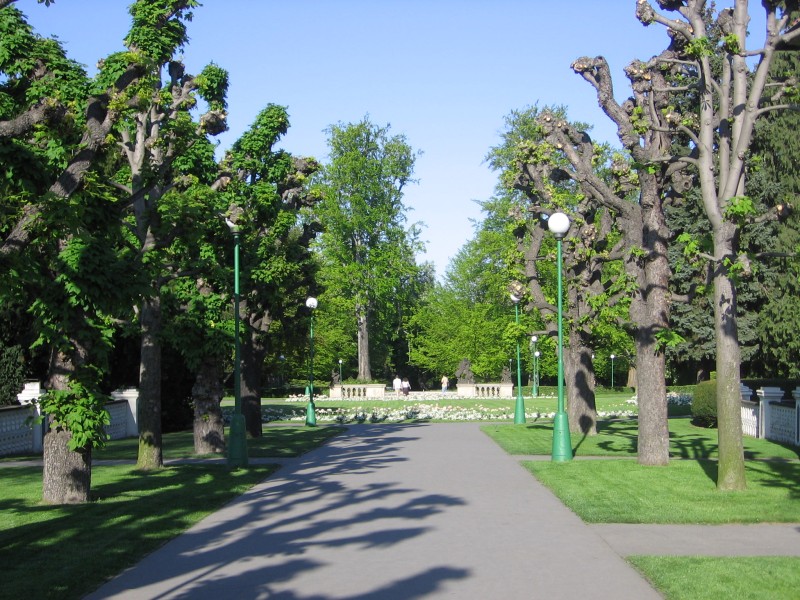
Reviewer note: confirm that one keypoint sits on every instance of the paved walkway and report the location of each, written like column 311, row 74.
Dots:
column 403, row 512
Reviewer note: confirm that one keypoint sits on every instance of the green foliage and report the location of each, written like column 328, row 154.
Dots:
column 155, row 29
column 366, row 248
column 739, row 208
column 12, row 373
column 212, row 85
column 704, row 404
column 79, row 410
column 700, row 47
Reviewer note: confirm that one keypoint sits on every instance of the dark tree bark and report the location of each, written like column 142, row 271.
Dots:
column 149, row 410
column 67, row 474
column 209, row 434
column 254, row 351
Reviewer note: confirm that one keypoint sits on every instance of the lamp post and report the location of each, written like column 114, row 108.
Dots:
column 535, row 354
column 340, row 371
column 311, row 417
column 237, row 445
column 519, row 408
column 612, row 357
column 558, row 223
column 282, row 358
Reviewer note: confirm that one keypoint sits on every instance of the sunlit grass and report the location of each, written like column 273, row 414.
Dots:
column 710, row 578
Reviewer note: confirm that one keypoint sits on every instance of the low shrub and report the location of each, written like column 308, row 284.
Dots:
column 704, row 404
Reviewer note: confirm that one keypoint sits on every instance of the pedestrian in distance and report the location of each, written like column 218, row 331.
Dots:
column 406, row 386
column 397, row 385
column 445, row 383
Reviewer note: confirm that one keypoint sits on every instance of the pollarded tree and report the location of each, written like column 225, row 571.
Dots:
column 156, row 131
column 67, row 231
column 720, row 126
column 267, row 197
column 596, row 293
column 366, row 250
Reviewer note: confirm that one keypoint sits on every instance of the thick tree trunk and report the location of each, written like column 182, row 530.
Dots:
column 67, row 474
column 580, row 384
column 364, row 372
column 209, row 434
column 253, row 354
column 149, row 409
column 651, row 315
column 731, row 474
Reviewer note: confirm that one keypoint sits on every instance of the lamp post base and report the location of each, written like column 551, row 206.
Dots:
column 519, row 411
column 562, row 443
column 311, row 417
column 237, row 443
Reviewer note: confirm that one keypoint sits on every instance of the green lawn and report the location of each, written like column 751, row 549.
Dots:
column 711, row 578
column 65, row 552
column 619, row 438
column 279, row 442
column 622, row 491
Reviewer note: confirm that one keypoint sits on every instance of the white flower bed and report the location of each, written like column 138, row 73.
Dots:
column 412, row 412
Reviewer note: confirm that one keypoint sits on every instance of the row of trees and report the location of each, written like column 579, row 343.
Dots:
column 116, row 226
column 686, row 211
column 116, row 219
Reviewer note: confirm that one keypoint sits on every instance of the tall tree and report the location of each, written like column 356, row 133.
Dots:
column 775, row 179
column 720, row 127
column 67, row 225
column 367, row 252
column 268, row 198
column 156, row 130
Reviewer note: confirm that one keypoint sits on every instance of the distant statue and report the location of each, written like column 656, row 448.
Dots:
column 506, row 376
column 334, row 377
column 464, row 372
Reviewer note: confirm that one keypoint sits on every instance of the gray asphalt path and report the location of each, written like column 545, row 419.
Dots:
column 390, row 512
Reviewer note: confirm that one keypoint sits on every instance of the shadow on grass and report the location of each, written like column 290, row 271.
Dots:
column 133, row 513
column 268, row 532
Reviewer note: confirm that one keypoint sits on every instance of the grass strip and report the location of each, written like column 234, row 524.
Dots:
column 619, row 438
column 276, row 442
column 622, row 491
column 710, row 578
column 66, row 552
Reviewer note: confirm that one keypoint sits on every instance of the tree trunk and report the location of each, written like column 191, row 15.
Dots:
column 580, row 384
column 731, row 473
column 364, row 372
column 149, row 409
column 67, row 474
column 651, row 310
column 209, row 434
column 253, row 354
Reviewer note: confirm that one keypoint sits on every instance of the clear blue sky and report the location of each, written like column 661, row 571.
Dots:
column 444, row 73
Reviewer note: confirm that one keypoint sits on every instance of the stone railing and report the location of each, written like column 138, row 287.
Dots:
column 772, row 417
column 485, row 390
column 358, row 391
column 19, row 435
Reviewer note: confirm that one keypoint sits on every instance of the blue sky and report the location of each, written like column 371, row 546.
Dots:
column 444, row 73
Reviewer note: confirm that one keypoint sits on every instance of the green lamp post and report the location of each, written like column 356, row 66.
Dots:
column 558, row 223
column 237, row 444
column 519, row 409
column 311, row 417
column 535, row 371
